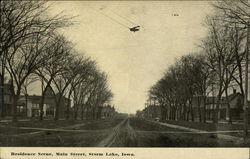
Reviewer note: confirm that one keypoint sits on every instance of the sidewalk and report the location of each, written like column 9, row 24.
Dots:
column 7, row 120
column 22, row 120
column 71, row 128
column 218, row 133
column 226, row 122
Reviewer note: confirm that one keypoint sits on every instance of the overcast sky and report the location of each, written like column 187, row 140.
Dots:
column 134, row 61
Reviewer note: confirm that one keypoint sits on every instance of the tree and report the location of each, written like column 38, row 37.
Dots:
column 24, row 89
column 22, row 21
column 61, row 48
column 80, row 83
column 26, row 60
column 75, row 67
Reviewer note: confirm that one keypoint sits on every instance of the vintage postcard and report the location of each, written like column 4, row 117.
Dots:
column 150, row 79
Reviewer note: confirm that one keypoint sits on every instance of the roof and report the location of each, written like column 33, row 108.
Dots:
column 233, row 96
column 8, row 89
column 212, row 99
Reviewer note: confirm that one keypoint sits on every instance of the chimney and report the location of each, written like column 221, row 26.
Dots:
column 234, row 91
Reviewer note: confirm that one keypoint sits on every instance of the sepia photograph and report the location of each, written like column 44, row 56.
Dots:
column 141, row 74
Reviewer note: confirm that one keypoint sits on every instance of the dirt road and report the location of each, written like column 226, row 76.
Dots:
column 117, row 132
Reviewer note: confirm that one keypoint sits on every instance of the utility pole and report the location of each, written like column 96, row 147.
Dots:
column 2, row 72
column 246, row 106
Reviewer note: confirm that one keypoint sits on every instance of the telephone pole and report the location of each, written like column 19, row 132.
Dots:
column 246, row 105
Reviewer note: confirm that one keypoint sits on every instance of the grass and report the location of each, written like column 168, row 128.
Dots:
column 9, row 136
column 182, row 140
column 54, row 139
column 43, row 124
column 147, row 138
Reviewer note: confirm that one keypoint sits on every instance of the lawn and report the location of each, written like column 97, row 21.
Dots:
column 43, row 124
column 151, row 134
column 149, row 139
column 95, row 131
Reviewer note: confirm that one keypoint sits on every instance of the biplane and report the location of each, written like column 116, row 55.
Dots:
column 134, row 29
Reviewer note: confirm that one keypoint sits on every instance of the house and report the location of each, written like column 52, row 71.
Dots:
column 28, row 106
column 235, row 103
column 31, row 105
column 8, row 99
column 107, row 111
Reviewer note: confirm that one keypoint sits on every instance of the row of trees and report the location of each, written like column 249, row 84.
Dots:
column 33, row 50
column 215, row 68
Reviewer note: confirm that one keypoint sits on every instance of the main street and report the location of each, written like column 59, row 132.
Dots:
column 117, row 132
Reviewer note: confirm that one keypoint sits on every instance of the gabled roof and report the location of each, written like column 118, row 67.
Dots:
column 212, row 99
column 233, row 96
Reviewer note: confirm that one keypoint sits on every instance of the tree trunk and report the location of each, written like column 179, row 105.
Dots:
column 188, row 112
column 228, row 107
column 87, row 112
column 216, row 112
column 58, row 102
column 184, row 114
column 2, row 109
column 191, row 111
column 2, row 75
column 82, row 117
column 43, row 99
column 14, row 104
column 41, row 105
column 93, row 113
column 167, row 110
column 26, row 102
column 204, row 109
column 199, row 109
column 68, row 105
column 76, row 112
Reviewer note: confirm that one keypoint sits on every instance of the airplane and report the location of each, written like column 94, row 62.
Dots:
column 134, row 29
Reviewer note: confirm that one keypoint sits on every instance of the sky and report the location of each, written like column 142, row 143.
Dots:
column 134, row 61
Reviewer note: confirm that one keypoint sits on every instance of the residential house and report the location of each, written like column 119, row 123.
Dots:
column 235, row 103
column 107, row 111
column 8, row 99
column 28, row 106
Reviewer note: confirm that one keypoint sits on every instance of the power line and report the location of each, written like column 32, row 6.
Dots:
column 124, row 18
column 109, row 17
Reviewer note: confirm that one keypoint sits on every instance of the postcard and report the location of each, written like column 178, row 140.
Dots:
column 148, row 79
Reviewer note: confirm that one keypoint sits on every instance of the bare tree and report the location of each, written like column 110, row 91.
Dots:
column 61, row 48
column 22, row 21
column 81, row 82
column 28, row 58
column 74, row 67
column 24, row 89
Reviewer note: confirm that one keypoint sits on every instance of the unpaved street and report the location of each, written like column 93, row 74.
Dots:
column 117, row 132
column 135, row 132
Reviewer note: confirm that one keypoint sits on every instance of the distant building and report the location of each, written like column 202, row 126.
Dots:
column 87, row 112
column 139, row 113
column 107, row 111
column 152, row 111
